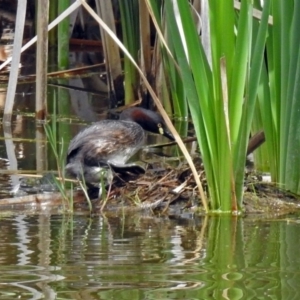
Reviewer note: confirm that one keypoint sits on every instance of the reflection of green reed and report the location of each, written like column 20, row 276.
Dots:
column 224, row 255
column 251, row 258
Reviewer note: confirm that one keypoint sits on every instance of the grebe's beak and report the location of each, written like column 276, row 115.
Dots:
column 165, row 132
column 169, row 135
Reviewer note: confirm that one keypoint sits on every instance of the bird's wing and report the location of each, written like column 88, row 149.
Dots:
column 99, row 142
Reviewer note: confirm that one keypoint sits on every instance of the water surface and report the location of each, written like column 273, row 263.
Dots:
column 143, row 257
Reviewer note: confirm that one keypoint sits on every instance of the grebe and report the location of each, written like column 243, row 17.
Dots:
column 109, row 144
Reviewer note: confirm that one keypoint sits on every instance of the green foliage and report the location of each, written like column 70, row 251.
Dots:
column 60, row 161
column 280, row 93
column 218, row 81
column 130, row 31
column 63, row 37
column 220, row 93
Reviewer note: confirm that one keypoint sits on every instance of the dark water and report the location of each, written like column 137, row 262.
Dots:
column 140, row 257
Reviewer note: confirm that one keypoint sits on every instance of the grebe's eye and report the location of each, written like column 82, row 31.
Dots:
column 160, row 128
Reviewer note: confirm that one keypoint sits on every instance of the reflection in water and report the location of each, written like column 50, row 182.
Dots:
column 147, row 258
column 11, row 155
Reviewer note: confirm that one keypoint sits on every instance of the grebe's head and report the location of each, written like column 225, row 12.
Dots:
column 147, row 119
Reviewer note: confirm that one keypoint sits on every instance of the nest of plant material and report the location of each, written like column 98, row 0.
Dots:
column 163, row 188
column 160, row 187
column 168, row 189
